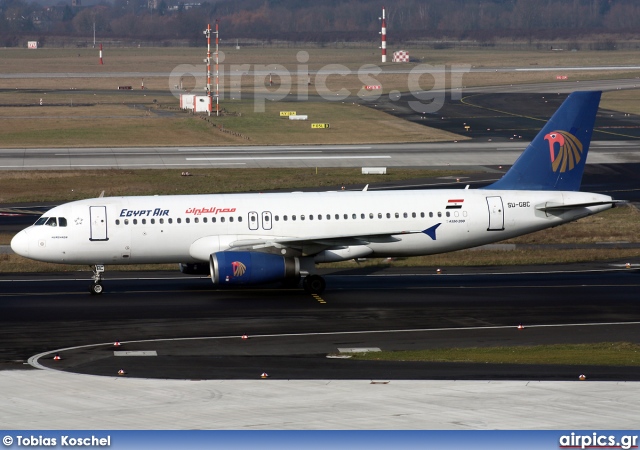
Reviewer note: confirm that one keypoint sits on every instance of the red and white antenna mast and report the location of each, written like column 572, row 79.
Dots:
column 208, row 33
column 217, row 73
column 383, row 34
column 101, row 63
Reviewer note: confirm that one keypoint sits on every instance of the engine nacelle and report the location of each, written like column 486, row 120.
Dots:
column 195, row 269
column 252, row 268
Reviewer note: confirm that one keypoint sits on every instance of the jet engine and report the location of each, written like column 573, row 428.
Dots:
column 252, row 268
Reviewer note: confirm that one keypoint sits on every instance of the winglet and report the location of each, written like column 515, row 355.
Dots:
column 555, row 159
column 431, row 231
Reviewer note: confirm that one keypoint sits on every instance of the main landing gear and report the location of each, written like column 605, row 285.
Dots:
column 96, row 285
column 314, row 284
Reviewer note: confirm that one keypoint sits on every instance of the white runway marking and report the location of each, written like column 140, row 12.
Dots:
column 135, row 353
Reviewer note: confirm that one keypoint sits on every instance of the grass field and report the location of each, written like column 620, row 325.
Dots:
column 600, row 354
column 82, row 111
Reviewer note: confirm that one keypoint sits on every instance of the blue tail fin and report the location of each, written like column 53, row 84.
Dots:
column 555, row 159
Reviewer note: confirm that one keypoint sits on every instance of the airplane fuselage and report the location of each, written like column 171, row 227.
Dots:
column 187, row 229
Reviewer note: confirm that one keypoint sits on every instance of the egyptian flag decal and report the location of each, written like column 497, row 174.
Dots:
column 455, row 203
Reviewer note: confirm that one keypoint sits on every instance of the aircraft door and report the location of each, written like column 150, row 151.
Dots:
column 266, row 220
column 496, row 214
column 98, row 223
column 253, row 220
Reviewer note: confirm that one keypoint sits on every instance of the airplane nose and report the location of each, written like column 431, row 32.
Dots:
column 20, row 244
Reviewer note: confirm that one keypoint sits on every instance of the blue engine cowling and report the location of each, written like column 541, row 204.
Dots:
column 251, row 268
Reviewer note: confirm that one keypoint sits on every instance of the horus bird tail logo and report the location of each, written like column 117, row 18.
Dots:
column 238, row 268
column 569, row 150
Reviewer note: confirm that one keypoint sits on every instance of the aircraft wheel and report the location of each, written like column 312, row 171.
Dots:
column 314, row 284
column 96, row 288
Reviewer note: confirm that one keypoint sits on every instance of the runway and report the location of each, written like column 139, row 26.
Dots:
column 204, row 375
column 292, row 332
column 378, row 155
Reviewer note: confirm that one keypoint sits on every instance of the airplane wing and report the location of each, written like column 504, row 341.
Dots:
column 326, row 242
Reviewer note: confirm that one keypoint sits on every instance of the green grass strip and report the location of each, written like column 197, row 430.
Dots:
column 600, row 354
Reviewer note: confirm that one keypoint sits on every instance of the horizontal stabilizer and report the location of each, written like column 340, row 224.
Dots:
column 547, row 207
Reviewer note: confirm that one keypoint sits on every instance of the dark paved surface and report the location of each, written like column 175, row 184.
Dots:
column 40, row 313
column 506, row 117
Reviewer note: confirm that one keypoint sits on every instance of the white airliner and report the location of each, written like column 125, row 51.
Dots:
column 260, row 238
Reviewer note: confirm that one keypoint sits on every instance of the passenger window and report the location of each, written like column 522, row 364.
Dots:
column 301, row 217
column 153, row 221
column 413, row 215
column 353, row 216
column 329, row 216
column 187, row 220
column 117, row 221
column 388, row 215
column 277, row 218
column 239, row 219
column 221, row 219
column 379, row 215
column 285, row 218
column 439, row 214
column 337, row 216
column 196, row 220
column 204, row 220
column 231, row 219
column 422, row 215
column 162, row 220
column 448, row 214
column 430, row 214
column 144, row 221
column 362, row 216
column 135, row 221
column 405, row 215
column 346, row 216
column 310, row 216
column 213, row 220
column 126, row 221
column 293, row 217
column 370, row 215
column 170, row 220
column 62, row 222
column 397, row 215
column 179, row 220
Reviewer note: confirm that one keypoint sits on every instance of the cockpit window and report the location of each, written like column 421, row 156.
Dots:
column 62, row 221
column 52, row 222
column 41, row 221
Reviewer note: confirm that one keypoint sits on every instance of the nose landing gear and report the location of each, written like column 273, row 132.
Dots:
column 96, row 285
